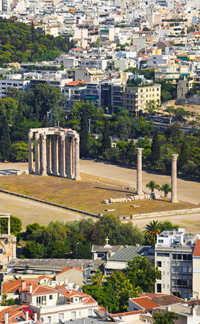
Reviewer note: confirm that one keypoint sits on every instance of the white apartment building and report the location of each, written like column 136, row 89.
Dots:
column 177, row 256
column 17, row 84
column 57, row 305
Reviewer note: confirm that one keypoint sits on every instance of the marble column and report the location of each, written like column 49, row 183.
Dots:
column 77, row 166
column 30, row 152
column 62, row 156
column 139, row 171
column 69, row 157
column 174, row 198
column 37, row 153
column 55, row 155
column 43, row 159
column 49, row 155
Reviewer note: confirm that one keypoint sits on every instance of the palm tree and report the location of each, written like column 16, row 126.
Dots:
column 151, row 231
column 166, row 189
column 152, row 186
column 98, row 278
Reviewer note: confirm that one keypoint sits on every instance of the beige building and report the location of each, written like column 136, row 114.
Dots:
column 136, row 98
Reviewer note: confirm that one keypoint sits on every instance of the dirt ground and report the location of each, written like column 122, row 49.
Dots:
column 188, row 191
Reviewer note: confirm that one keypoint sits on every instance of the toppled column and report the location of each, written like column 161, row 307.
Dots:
column 139, row 171
column 174, row 179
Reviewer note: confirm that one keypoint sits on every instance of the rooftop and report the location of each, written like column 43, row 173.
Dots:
column 129, row 252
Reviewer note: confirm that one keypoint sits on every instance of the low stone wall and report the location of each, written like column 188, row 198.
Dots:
column 162, row 214
column 50, row 203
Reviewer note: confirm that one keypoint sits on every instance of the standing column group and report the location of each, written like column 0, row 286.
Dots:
column 56, row 152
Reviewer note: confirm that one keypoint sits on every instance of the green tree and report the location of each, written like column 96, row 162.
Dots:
column 15, row 225
column 119, row 288
column 7, row 301
column 142, row 274
column 152, row 186
column 165, row 318
column 106, row 142
column 84, row 136
column 34, row 250
column 155, row 149
column 166, row 189
column 151, row 231
column 184, row 155
column 5, row 142
column 19, row 152
column 167, row 226
column 151, row 107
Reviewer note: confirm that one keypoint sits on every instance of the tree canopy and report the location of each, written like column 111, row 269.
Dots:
column 24, row 43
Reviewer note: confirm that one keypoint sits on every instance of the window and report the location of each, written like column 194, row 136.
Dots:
column 90, row 313
column 162, row 254
column 50, row 297
column 159, row 288
column 61, row 317
column 73, row 316
column 159, row 264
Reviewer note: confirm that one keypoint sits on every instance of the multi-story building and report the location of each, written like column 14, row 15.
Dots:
column 73, row 91
column 177, row 256
column 135, row 99
column 117, row 96
column 8, row 83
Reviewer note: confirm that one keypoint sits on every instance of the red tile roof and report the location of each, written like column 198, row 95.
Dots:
column 75, row 83
column 16, row 285
column 128, row 313
column 70, row 268
column 86, row 299
column 196, row 251
column 44, row 277
column 145, row 302
column 15, row 312
column 43, row 290
column 163, row 299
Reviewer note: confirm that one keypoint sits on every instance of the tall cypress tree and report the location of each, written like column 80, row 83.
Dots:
column 5, row 142
column 184, row 155
column 155, row 149
column 84, row 136
column 106, row 143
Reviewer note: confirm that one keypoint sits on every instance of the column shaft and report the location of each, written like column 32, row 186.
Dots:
column 62, row 156
column 30, row 153
column 55, row 155
column 77, row 162
column 37, row 153
column 68, row 158
column 43, row 167
column 139, row 171
column 174, row 198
